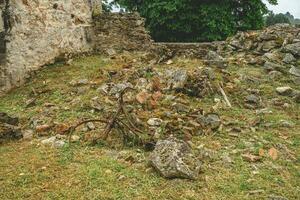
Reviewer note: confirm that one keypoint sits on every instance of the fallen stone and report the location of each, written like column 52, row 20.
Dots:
column 177, row 79
column 173, row 158
column 289, row 58
column 91, row 126
column 295, row 71
column 54, row 142
column 293, row 49
column 252, row 99
column 28, row 134
column 75, row 138
column 5, row 118
column 210, row 120
column 116, row 89
column 297, row 98
column 270, row 66
column 284, row 91
column 211, row 55
column 42, row 128
column 9, row 132
column 286, row 124
column 154, row 122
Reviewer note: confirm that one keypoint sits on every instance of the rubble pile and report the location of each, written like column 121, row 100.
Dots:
column 162, row 103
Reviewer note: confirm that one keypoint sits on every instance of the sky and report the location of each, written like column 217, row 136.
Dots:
column 292, row 6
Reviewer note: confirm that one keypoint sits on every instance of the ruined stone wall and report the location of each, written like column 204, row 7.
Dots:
column 34, row 33
column 120, row 31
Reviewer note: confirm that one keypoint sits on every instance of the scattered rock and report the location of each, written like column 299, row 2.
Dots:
column 275, row 197
column 251, row 158
column 117, row 88
column 289, row 58
column 91, row 126
column 270, row 66
column 41, row 129
column 297, row 98
column 75, row 138
column 210, row 120
column 9, row 132
column 80, row 82
column 293, row 49
column 173, row 158
column 295, row 71
column 177, row 79
column 30, row 102
column 154, row 122
column 252, row 99
column 5, row 118
column 28, row 134
column 143, row 97
column 54, row 142
column 284, row 91
column 286, row 124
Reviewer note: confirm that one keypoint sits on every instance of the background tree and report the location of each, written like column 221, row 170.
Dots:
column 198, row 20
column 272, row 18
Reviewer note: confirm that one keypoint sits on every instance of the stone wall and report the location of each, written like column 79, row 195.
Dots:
column 34, row 33
column 120, row 31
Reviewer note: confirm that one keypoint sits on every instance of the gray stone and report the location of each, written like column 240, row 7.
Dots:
column 116, row 89
column 295, row 71
column 289, row 58
column 210, row 120
column 154, row 122
column 177, row 79
column 252, row 99
column 293, row 49
column 271, row 56
column 286, row 124
column 285, row 91
column 270, row 66
column 269, row 45
column 54, row 142
column 211, row 55
column 173, row 158
column 91, row 126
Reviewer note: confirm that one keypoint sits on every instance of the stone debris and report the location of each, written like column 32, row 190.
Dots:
column 177, row 78
column 285, row 91
column 9, row 129
column 53, row 141
column 289, row 58
column 5, row 118
column 154, row 122
column 173, row 158
column 295, row 71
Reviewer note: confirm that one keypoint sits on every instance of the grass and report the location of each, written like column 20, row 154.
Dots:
column 29, row 170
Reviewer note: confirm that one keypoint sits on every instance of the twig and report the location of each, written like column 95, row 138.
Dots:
column 225, row 96
column 73, row 128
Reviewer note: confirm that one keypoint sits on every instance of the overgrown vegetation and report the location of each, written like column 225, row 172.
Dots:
column 30, row 170
column 196, row 21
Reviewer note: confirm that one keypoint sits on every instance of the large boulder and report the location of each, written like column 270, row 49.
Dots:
column 173, row 158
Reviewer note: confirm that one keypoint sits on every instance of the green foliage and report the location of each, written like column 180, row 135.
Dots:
column 198, row 20
column 272, row 18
